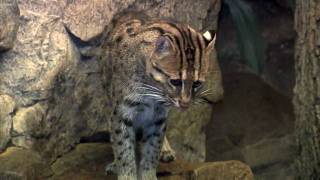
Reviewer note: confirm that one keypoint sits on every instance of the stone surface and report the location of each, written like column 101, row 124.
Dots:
column 275, row 22
column 7, row 107
column 87, row 161
column 28, row 119
column 223, row 170
column 84, row 156
column 253, row 124
column 9, row 23
column 18, row 163
column 60, row 100
column 57, row 103
column 101, row 12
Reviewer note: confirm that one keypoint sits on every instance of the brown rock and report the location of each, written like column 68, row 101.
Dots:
column 253, row 124
column 85, row 157
column 205, row 171
column 9, row 23
column 17, row 163
column 223, row 170
column 87, row 161
column 87, row 19
column 6, row 108
column 59, row 98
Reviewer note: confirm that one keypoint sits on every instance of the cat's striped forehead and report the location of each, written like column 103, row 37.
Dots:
column 191, row 47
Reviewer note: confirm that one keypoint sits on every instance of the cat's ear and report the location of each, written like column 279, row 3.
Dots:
column 209, row 38
column 163, row 46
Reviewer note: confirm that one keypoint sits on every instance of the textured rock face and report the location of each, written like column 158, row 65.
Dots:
column 53, row 100
column 254, row 124
column 9, row 23
column 7, row 106
column 87, row 161
column 17, row 163
column 275, row 21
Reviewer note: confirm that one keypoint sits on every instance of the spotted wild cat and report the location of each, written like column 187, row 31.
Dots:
column 156, row 64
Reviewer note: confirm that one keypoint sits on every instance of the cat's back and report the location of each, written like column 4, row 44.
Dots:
column 126, row 25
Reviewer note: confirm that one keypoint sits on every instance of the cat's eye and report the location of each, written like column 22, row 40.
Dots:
column 196, row 84
column 176, row 82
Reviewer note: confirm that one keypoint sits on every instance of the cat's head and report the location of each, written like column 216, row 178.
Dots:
column 180, row 63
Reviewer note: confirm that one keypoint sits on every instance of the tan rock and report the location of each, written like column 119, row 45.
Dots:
column 28, row 119
column 7, row 106
column 234, row 170
column 205, row 171
column 186, row 133
column 60, row 98
column 25, row 141
column 84, row 156
column 9, row 23
column 256, row 130
column 87, row 161
column 87, row 19
column 270, row 151
column 17, row 163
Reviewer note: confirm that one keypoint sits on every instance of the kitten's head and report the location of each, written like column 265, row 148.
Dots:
column 180, row 64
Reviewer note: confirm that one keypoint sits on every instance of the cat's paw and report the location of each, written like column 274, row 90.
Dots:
column 167, row 156
column 111, row 168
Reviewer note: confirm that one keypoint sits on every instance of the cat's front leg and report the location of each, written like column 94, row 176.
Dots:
column 123, row 143
column 167, row 153
column 150, row 154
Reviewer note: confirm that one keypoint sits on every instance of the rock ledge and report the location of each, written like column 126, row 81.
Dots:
column 87, row 161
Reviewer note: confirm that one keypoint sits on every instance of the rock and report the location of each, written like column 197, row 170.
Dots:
column 254, row 124
column 205, row 171
column 276, row 22
column 9, row 23
column 81, row 16
column 187, row 137
column 223, row 170
column 101, row 13
column 60, row 99
column 7, row 107
column 28, row 119
column 87, row 161
column 18, row 163
column 278, row 171
column 270, row 151
column 84, row 156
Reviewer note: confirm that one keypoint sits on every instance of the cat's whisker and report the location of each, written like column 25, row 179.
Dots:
column 205, row 91
column 148, row 85
column 150, row 90
column 153, row 95
column 205, row 94
column 171, row 101
column 199, row 101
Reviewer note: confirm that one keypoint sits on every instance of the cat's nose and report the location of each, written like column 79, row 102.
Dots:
column 184, row 105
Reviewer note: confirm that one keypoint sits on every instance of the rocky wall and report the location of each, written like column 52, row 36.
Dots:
column 50, row 99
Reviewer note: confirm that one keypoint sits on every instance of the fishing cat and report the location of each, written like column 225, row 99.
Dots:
column 153, row 64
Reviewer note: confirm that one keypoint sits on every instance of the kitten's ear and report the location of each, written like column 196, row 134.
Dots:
column 163, row 46
column 209, row 38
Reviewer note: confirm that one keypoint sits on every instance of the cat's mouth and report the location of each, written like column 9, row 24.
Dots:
column 183, row 106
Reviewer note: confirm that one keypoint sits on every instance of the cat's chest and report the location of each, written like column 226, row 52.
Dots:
column 150, row 117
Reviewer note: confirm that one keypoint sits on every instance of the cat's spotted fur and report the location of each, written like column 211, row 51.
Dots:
column 155, row 64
